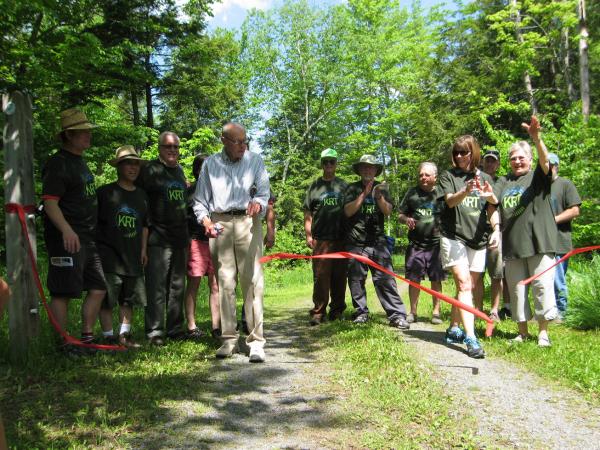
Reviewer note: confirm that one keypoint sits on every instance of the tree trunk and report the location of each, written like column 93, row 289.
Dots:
column 23, row 314
column 526, row 76
column 584, row 68
column 566, row 56
column 149, row 113
column 135, row 107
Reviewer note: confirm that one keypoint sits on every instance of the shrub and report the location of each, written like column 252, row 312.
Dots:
column 584, row 291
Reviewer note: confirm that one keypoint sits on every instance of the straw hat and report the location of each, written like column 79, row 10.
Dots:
column 74, row 119
column 124, row 152
column 370, row 160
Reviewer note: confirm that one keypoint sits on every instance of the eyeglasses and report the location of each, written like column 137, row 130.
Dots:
column 328, row 161
column 461, row 153
column 233, row 141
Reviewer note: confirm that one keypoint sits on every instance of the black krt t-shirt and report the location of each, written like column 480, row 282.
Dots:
column 122, row 215
column 425, row 208
column 325, row 201
column 166, row 190
column 367, row 225
column 67, row 178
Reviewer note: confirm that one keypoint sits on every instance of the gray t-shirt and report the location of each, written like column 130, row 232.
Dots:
column 564, row 195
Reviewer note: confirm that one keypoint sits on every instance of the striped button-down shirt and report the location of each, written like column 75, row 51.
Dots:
column 225, row 185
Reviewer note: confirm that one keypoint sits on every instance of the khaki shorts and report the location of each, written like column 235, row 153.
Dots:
column 455, row 253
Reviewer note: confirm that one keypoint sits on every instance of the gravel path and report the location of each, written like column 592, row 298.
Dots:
column 276, row 405
column 280, row 404
column 514, row 408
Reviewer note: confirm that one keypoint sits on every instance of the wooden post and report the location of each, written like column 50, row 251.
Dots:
column 23, row 313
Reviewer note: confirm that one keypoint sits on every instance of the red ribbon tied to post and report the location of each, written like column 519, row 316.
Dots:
column 21, row 210
column 363, row 259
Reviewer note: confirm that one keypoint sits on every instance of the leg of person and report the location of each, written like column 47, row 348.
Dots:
column 496, row 291
column 156, row 291
column 478, row 292
column 321, row 282
column 517, row 270
column 435, row 314
column 543, row 294
column 4, row 295
column 94, row 283
column 504, row 313
column 213, row 300
column 191, row 292
column 387, row 289
column 60, row 310
column 415, row 269
column 194, row 275
column 176, row 292
column 114, row 287
column 560, row 286
column 436, row 275
column 223, row 257
column 454, row 257
column 134, row 294
column 338, row 277
column 357, row 275
column 248, row 250
column 496, row 273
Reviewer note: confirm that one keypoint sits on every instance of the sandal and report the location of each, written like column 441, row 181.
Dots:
column 544, row 342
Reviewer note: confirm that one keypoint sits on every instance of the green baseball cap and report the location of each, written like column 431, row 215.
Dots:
column 329, row 153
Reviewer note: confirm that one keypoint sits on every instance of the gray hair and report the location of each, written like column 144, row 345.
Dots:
column 521, row 145
column 164, row 134
column 429, row 165
column 230, row 126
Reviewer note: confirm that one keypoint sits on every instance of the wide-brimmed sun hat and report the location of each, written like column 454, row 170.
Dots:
column 370, row 160
column 74, row 119
column 124, row 152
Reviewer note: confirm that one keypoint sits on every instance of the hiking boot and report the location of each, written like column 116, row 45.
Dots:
column 455, row 336
column 126, row 340
column 194, row 335
column 361, row 318
column 436, row 319
column 411, row 318
column 401, row 323
column 474, row 348
column 504, row 313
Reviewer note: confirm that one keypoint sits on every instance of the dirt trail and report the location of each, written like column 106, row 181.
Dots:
column 280, row 404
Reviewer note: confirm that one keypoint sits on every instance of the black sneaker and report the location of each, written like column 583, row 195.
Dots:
column 216, row 333
column 315, row 320
column 401, row 323
column 194, row 335
column 504, row 313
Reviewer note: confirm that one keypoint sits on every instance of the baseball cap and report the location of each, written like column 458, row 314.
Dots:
column 492, row 154
column 329, row 153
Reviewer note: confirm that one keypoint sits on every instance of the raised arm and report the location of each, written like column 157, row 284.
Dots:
column 533, row 129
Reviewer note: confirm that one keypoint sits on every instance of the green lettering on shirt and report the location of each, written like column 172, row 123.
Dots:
column 330, row 201
column 176, row 195
column 471, row 202
column 126, row 221
column 511, row 201
column 90, row 190
column 368, row 209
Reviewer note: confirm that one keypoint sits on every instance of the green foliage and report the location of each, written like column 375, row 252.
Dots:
column 584, row 291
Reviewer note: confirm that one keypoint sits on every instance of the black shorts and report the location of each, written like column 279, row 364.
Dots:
column 69, row 274
column 421, row 261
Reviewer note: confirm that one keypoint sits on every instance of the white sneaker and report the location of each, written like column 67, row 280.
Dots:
column 227, row 349
column 257, row 354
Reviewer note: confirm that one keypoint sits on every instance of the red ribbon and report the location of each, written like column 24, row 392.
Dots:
column 363, row 259
column 20, row 210
column 557, row 262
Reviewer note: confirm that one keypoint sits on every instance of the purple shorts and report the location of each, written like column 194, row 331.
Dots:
column 421, row 261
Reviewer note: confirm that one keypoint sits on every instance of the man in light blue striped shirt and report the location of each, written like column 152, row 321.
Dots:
column 231, row 197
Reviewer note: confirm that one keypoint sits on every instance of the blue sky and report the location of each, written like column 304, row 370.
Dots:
column 230, row 14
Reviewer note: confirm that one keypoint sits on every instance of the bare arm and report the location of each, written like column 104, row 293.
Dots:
column 308, row 229
column 352, row 208
column 270, row 237
column 494, row 219
column 534, row 128
column 70, row 238
column 567, row 215
column 408, row 221
column 455, row 198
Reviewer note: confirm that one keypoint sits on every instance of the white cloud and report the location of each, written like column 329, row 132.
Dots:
column 225, row 5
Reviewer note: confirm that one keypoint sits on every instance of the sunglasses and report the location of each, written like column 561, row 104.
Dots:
column 233, row 141
column 461, row 153
column 328, row 161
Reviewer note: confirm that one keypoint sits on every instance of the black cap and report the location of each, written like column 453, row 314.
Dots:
column 493, row 154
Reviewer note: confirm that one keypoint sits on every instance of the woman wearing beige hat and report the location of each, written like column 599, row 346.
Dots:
column 70, row 206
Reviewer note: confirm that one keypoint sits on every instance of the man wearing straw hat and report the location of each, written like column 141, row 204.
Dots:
column 367, row 204
column 122, row 243
column 70, row 206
